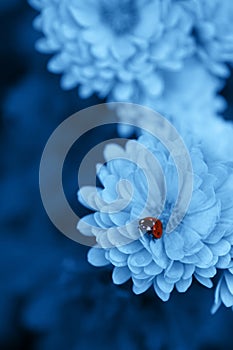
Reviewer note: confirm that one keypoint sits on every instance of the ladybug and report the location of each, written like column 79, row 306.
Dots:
column 152, row 226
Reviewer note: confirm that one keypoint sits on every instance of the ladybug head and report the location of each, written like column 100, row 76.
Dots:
column 146, row 224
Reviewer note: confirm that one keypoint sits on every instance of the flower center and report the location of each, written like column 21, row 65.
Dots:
column 120, row 16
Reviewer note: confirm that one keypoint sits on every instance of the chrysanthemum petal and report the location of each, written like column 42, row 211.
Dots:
column 174, row 246
column 163, row 285
column 226, row 296
column 205, row 257
column 205, row 281
column 131, row 248
column 188, row 270
column 162, row 295
column 183, row 285
column 223, row 261
column 141, row 258
column 121, row 274
column 229, row 281
column 209, row 272
column 220, row 248
column 141, row 287
column 96, row 257
column 159, row 255
column 153, row 269
column 117, row 258
column 175, row 270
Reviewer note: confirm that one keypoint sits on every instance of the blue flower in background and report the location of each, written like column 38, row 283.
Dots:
column 116, row 49
column 122, row 49
column 191, row 94
column 191, row 99
column 213, row 32
column 199, row 246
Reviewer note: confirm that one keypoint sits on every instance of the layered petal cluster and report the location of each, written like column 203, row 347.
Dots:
column 114, row 48
column 191, row 98
column 213, row 32
column 192, row 93
column 196, row 248
column 121, row 49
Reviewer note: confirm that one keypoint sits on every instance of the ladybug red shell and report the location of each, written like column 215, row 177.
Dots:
column 152, row 226
column 157, row 229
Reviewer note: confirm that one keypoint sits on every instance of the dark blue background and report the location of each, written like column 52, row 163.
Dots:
column 50, row 298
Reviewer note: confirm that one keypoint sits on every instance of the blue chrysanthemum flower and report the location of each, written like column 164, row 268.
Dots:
column 191, row 99
column 190, row 93
column 114, row 48
column 213, row 32
column 197, row 247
